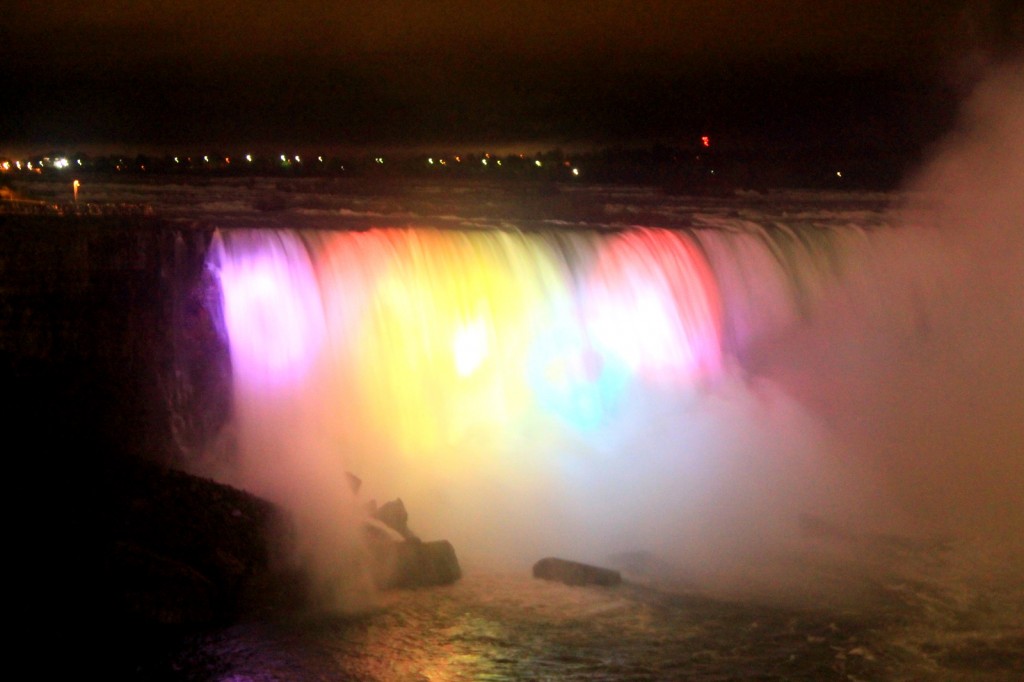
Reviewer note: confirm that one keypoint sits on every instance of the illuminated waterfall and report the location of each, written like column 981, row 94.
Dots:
column 485, row 365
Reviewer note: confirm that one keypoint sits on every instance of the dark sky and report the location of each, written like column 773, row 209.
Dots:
column 345, row 73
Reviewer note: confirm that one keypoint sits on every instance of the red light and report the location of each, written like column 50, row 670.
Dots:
column 706, row 140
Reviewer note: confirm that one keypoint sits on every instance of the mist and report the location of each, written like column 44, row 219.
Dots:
column 806, row 395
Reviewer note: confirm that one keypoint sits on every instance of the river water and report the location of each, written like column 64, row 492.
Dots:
column 509, row 626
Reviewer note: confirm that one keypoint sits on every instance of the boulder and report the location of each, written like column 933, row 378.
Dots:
column 413, row 563
column 178, row 549
column 575, row 573
column 393, row 515
column 399, row 558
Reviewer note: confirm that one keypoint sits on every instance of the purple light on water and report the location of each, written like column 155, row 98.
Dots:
column 272, row 307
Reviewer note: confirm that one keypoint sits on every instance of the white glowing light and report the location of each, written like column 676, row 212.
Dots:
column 284, row 159
column 18, row 164
column 6, row 165
column 538, row 163
column 483, row 161
column 430, row 161
column 576, row 171
column 297, row 159
column 78, row 161
column 839, row 174
column 176, row 160
column 206, row 158
column 499, row 162
column 470, row 348
column 320, row 159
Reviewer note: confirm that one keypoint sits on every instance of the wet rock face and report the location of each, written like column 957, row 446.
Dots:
column 394, row 515
column 400, row 558
column 575, row 573
column 415, row 564
column 180, row 549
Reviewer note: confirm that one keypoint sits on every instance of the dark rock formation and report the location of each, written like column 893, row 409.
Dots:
column 177, row 549
column 414, row 564
column 400, row 558
column 394, row 515
column 575, row 573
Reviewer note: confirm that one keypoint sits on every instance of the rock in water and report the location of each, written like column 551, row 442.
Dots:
column 415, row 564
column 575, row 573
column 394, row 515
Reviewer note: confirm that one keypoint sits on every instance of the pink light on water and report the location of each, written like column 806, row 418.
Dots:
column 272, row 307
column 653, row 303
column 426, row 333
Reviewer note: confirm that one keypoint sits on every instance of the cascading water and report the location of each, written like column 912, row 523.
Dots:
column 524, row 392
column 691, row 393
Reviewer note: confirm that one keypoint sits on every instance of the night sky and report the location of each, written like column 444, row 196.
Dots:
column 343, row 74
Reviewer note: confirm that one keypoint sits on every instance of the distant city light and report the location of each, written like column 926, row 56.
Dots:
column 248, row 157
column 706, row 140
column 483, row 161
column 78, row 161
column 320, row 159
column 18, row 164
column 227, row 159
column 576, row 172
column 297, row 159
column 61, row 163
column 499, row 162
column 839, row 174
column 284, row 159
column 430, row 161
column 206, row 158
column 6, row 165
column 538, row 163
